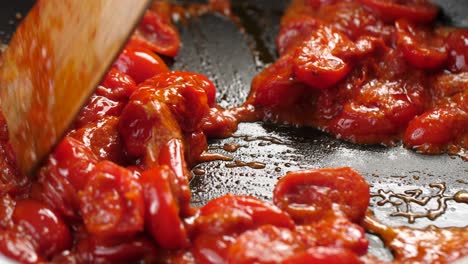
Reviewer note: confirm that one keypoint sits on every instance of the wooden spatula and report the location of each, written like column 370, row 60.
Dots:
column 54, row 61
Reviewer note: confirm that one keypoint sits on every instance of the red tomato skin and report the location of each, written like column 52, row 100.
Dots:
column 457, row 43
column 157, row 34
column 102, row 138
column 233, row 214
column 111, row 204
column 130, row 250
column 416, row 11
column 335, row 230
column 66, row 172
column 139, row 63
column 50, row 235
column 320, row 61
column 161, row 209
column 436, row 128
column 307, row 195
column 185, row 93
column 324, row 255
column 211, row 249
column 267, row 245
column 97, row 108
column 276, row 85
column 420, row 52
column 116, row 86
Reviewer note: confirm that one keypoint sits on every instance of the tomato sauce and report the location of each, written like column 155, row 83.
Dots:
column 116, row 188
column 369, row 72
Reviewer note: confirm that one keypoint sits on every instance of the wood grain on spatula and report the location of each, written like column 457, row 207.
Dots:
column 53, row 63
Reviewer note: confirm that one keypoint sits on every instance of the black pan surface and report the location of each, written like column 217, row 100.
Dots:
column 408, row 188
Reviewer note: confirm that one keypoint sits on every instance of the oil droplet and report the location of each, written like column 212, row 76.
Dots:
column 231, row 147
column 198, row 171
column 206, row 156
column 461, row 197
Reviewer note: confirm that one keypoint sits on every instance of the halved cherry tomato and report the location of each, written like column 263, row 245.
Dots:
column 157, row 34
column 276, row 85
column 232, row 214
column 146, row 125
column 324, row 255
column 111, row 204
column 211, row 249
column 130, row 250
column 307, row 195
column 266, row 244
column 102, row 138
column 140, row 63
column 50, row 235
column 172, row 155
column 421, row 11
column 161, row 209
column 457, row 43
column 116, row 86
column 436, row 128
column 188, row 95
column 422, row 49
column 67, row 171
column 335, row 230
column 320, row 61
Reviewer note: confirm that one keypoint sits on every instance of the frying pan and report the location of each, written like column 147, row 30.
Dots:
column 405, row 185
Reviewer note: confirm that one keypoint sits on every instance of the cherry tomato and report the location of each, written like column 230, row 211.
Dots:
column 457, row 43
column 172, row 155
column 185, row 93
column 195, row 143
column 320, row 60
column 266, row 244
column 324, row 255
column 131, row 250
column 66, row 172
column 421, row 49
column 276, row 86
column 102, row 138
column 140, row 63
column 161, row 209
column 116, row 86
column 97, row 108
column 50, row 235
column 420, row 11
column 146, row 125
column 18, row 247
column 309, row 194
column 233, row 214
column 74, row 160
column 157, row 34
column 436, row 128
column 211, row 249
column 335, row 230
column 111, row 204
column 218, row 123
